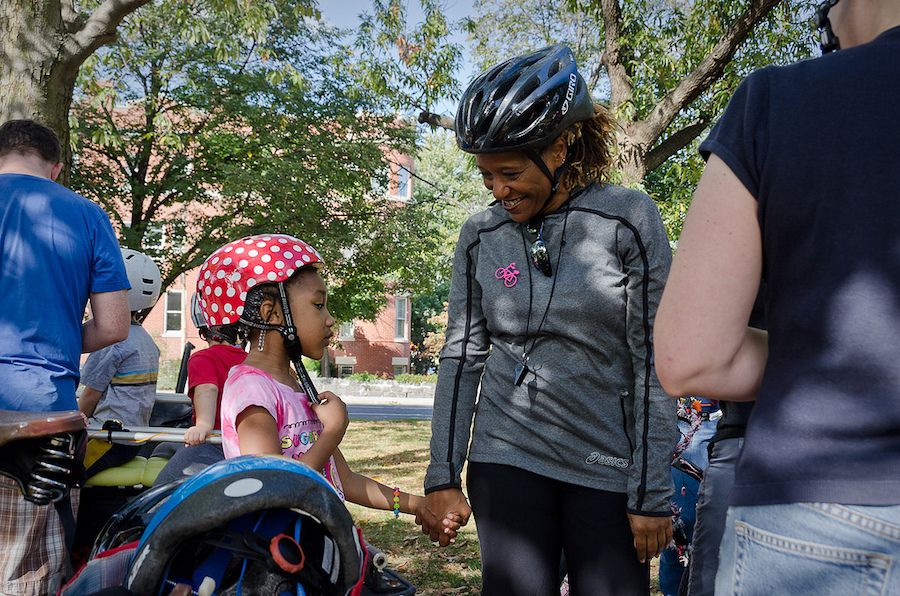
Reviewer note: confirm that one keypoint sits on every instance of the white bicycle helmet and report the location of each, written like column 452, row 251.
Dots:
column 144, row 278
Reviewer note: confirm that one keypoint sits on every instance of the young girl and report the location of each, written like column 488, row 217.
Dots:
column 270, row 288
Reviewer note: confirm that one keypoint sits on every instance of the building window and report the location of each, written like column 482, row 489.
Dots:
column 345, row 370
column 403, row 185
column 400, row 317
column 347, row 330
column 154, row 236
column 174, row 311
column 399, row 370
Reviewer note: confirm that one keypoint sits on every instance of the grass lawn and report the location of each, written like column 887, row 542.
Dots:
column 395, row 452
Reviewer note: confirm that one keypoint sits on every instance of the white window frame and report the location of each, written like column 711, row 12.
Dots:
column 157, row 230
column 404, row 183
column 405, row 318
column 153, row 228
column 347, row 331
column 173, row 332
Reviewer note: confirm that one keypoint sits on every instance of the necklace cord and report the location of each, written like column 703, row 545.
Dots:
column 525, row 348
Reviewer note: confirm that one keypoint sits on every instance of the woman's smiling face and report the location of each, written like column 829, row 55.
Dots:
column 520, row 185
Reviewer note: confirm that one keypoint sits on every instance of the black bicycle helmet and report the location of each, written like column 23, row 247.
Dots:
column 129, row 522
column 523, row 103
column 254, row 525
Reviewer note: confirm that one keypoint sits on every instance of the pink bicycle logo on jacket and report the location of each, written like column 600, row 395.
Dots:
column 508, row 274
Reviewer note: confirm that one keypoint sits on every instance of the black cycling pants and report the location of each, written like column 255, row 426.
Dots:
column 525, row 523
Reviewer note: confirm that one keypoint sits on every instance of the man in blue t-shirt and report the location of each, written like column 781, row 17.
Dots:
column 58, row 252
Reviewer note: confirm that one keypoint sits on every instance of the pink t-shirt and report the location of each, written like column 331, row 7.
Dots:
column 298, row 425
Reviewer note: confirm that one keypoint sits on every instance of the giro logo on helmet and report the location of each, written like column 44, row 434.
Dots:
column 570, row 92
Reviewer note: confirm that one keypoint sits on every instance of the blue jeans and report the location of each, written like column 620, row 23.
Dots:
column 810, row 549
column 685, row 498
column 712, row 508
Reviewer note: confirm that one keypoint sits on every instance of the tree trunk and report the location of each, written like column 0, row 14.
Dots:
column 43, row 44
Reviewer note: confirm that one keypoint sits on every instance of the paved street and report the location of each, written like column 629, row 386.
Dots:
column 372, row 408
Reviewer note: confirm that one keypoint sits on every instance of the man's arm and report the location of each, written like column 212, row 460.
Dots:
column 110, row 322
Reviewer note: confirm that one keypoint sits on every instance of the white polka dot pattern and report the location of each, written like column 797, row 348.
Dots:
column 224, row 280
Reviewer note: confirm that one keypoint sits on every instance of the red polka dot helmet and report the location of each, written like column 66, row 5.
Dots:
column 230, row 272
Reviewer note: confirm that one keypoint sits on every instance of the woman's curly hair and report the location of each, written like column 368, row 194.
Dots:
column 590, row 149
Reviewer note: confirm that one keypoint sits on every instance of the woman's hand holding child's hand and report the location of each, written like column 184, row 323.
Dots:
column 443, row 530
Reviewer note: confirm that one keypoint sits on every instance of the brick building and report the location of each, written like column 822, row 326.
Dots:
column 381, row 347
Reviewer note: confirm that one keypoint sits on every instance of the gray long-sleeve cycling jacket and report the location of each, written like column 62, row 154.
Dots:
column 590, row 410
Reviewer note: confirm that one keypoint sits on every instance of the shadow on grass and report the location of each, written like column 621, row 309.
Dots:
column 410, row 457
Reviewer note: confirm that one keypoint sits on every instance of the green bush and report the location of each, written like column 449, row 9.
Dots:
column 168, row 375
column 415, row 379
column 365, row 376
column 312, row 365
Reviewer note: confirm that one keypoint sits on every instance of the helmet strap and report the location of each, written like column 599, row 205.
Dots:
column 288, row 330
column 828, row 41
column 293, row 347
column 554, row 177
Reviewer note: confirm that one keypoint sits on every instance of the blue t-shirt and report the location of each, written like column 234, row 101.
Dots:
column 818, row 144
column 56, row 248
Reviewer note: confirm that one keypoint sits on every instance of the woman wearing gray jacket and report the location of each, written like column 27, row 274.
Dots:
column 549, row 346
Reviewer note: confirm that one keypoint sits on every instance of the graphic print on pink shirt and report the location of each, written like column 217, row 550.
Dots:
column 298, row 426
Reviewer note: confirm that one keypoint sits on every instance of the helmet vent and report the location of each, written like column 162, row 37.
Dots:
column 554, row 68
column 529, row 61
column 477, row 99
column 502, row 89
column 527, row 88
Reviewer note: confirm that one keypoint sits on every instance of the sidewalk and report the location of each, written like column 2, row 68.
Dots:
column 352, row 392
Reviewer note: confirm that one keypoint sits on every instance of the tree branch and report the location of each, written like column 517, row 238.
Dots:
column 707, row 72
column 672, row 144
column 436, row 120
column 70, row 16
column 100, row 28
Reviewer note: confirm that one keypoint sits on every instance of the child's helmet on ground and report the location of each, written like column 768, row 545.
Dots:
column 230, row 272
column 523, row 103
column 262, row 523
column 144, row 278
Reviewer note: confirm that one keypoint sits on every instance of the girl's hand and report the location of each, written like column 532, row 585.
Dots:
column 196, row 435
column 452, row 523
column 332, row 413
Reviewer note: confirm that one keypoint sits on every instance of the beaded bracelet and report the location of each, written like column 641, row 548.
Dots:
column 396, row 502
